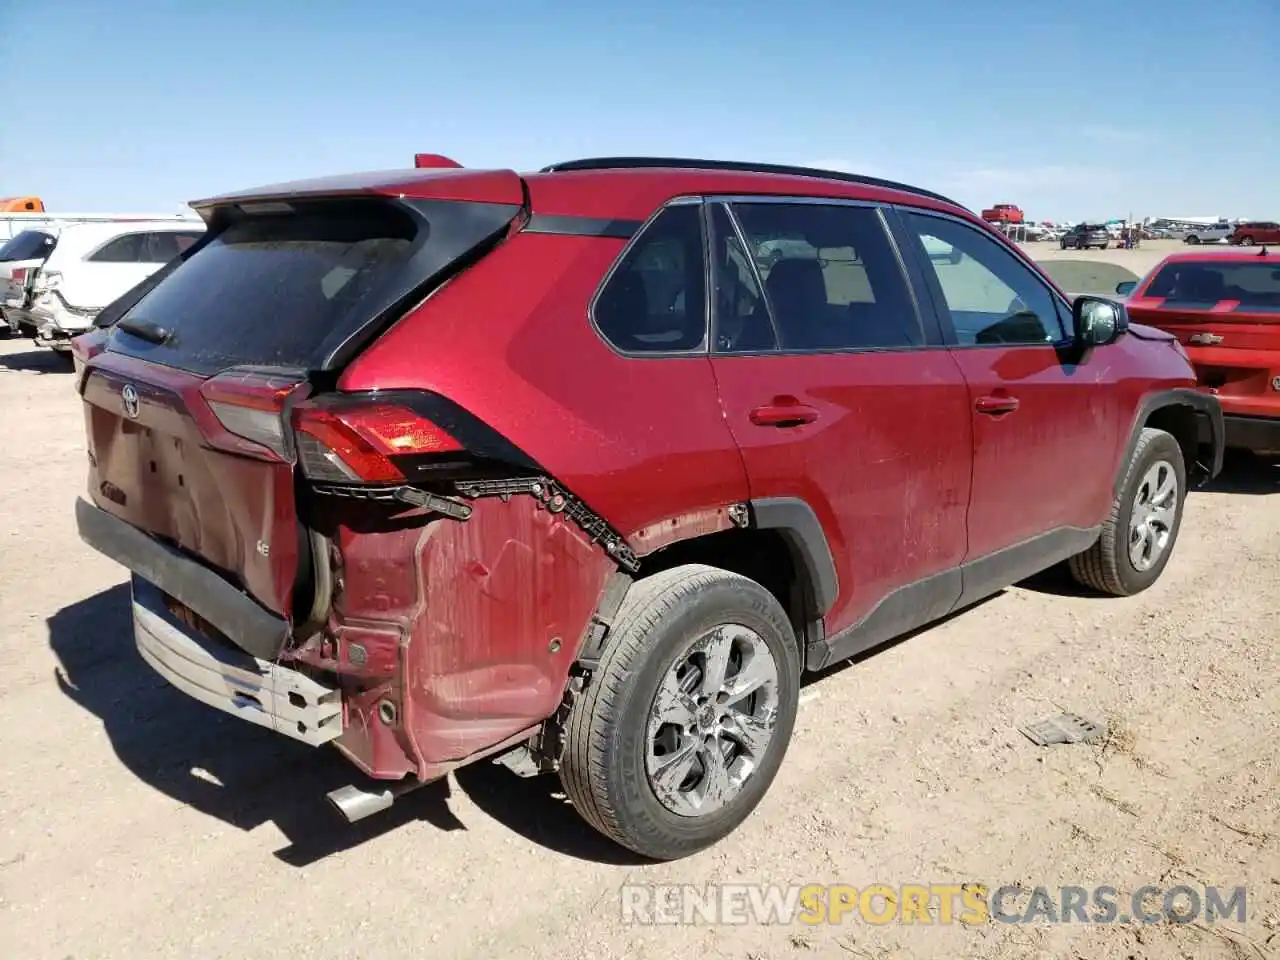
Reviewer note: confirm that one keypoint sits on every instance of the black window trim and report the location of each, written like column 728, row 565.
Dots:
column 738, row 235
column 943, row 311
column 929, row 326
column 637, row 237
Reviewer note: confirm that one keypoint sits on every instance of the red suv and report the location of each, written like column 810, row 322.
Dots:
column 1254, row 232
column 573, row 469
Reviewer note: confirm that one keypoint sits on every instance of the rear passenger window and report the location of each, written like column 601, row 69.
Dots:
column 126, row 249
column 655, row 300
column 832, row 281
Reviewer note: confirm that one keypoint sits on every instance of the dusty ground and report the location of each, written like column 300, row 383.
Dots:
column 137, row 823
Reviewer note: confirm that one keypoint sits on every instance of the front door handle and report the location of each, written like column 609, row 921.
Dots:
column 781, row 413
column 995, row 405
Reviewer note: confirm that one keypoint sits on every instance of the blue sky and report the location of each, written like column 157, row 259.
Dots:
column 1073, row 109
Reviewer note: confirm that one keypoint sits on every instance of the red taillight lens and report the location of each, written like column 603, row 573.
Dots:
column 251, row 405
column 352, row 441
column 20, row 276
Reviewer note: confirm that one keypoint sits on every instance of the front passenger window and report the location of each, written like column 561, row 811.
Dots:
column 992, row 297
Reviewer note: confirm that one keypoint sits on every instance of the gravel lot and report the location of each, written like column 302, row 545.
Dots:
column 138, row 823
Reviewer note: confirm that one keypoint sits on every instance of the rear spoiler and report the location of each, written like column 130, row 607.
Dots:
column 429, row 161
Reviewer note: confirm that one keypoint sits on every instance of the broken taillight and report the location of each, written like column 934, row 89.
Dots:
column 252, row 405
column 358, row 440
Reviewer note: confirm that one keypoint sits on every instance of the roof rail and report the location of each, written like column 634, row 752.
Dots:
column 688, row 163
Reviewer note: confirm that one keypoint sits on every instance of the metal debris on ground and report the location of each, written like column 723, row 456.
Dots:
column 1064, row 728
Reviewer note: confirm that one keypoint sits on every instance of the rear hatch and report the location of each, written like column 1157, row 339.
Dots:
column 192, row 378
column 1226, row 313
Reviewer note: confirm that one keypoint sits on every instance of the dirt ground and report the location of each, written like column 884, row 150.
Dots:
column 135, row 822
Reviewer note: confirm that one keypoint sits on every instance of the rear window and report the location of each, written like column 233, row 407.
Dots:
column 1254, row 285
column 287, row 289
column 27, row 245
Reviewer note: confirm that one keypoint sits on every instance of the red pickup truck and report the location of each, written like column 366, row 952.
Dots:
column 1003, row 213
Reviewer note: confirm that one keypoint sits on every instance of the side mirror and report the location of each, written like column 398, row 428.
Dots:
column 1098, row 321
column 1126, row 287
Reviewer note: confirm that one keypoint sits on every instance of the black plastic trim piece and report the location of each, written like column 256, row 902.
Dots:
column 905, row 609
column 740, row 166
column 582, row 226
column 245, row 622
column 916, row 605
column 1253, row 433
column 593, row 640
column 1209, row 414
column 1009, row 565
column 797, row 522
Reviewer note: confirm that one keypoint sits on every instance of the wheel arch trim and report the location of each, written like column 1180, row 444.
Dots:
column 1207, row 410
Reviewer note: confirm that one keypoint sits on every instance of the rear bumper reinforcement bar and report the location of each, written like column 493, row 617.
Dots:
column 268, row 694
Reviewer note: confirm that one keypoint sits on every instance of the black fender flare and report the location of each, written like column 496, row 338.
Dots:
column 796, row 521
column 1209, row 413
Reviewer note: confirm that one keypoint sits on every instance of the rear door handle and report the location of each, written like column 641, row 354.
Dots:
column 783, row 415
column 996, row 405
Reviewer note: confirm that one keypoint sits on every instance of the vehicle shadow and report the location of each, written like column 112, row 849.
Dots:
column 39, row 360
column 246, row 776
column 1242, row 473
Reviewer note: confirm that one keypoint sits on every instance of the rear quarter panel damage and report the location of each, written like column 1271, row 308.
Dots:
column 468, row 628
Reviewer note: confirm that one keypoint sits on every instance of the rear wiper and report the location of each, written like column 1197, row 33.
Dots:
column 145, row 330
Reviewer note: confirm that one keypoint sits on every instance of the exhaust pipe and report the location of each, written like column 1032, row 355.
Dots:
column 356, row 804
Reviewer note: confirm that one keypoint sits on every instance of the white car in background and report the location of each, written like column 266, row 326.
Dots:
column 91, row 265
column 1195, row 233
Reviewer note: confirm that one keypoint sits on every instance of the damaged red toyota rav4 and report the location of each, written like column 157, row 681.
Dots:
column 579, row 470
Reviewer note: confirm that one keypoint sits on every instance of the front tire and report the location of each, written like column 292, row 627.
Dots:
column 685, row 723
column 1137, row 539
column 1246, row 241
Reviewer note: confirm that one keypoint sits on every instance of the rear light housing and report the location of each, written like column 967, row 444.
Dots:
column 336, row 439
column 364, row 440
column 254, row 406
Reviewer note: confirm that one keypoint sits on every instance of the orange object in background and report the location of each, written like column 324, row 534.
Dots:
column 21, row 205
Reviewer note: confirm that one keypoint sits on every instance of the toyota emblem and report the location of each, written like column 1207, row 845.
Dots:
column 130, row 397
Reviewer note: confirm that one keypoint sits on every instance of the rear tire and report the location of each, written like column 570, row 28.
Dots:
column 1246, row 241
column 1194, row 241
column 1138, row 537
column 656, row 704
